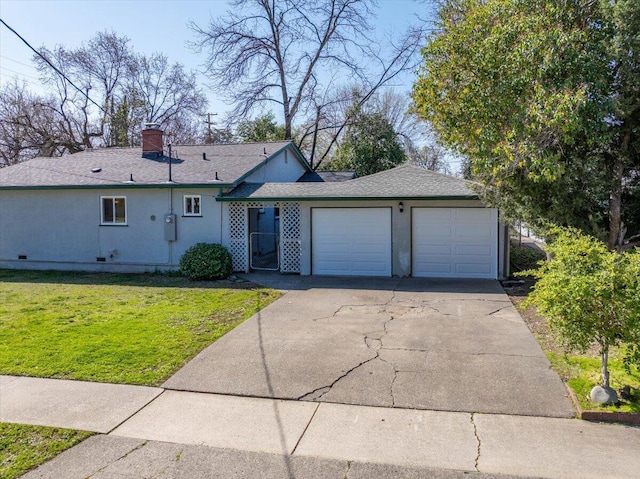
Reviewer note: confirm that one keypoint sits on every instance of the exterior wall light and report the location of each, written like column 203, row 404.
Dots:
column 401, row 207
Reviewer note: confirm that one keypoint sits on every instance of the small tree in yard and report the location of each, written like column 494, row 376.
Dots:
column 590, row 295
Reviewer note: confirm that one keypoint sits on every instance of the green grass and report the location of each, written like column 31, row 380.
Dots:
column 24, row 447
column 582, row 373
column 134, row 329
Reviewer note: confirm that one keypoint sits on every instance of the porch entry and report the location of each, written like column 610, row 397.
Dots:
column 264, row 236
column 264, row 239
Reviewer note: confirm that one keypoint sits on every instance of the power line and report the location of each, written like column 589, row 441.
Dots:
column 19, row 63
column 51, row 64
column 18, row 73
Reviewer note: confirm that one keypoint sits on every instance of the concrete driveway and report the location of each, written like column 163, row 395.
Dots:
column 451, row 345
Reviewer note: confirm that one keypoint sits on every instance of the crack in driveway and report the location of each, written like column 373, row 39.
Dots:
column 326, row 389
column 374, row 344
column 475, row 433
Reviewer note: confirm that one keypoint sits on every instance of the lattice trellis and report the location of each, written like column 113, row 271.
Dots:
column 238, row 236
column 254, row 204
column 290, row 250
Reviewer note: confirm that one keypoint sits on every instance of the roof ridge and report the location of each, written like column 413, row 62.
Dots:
column 399, row 167
column 240, row 143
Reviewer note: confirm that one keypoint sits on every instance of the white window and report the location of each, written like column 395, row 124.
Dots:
column 192, row 205
column 113, row 210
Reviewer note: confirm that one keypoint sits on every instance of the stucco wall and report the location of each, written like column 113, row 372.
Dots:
column 60, row 229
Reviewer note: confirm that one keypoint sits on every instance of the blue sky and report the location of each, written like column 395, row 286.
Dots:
column 152, row 25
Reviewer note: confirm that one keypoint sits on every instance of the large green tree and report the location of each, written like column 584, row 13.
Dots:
column 370, row 145
column 261, row 128
column 543, row 98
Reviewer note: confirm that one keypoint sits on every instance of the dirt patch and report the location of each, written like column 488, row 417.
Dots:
column 537, row 324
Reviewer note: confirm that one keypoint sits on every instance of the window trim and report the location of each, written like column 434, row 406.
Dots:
column 184, row 205
column 114, row 222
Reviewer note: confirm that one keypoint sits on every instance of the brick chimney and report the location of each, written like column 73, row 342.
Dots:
column 152, row 140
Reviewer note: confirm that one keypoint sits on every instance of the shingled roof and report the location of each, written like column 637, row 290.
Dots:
column 404, row 182
column 117, row 166
column 320, row 176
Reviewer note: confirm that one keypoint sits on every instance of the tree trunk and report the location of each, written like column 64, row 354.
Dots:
column 315, row 137
column 615, row 196
column 605, row 366
column 615, row 207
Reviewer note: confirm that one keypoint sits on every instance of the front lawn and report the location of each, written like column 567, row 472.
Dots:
column 24, row 447
column 582, row 373
column 134, row 329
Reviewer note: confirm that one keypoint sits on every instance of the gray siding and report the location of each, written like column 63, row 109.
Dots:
column 284, row 168
column 60, row 229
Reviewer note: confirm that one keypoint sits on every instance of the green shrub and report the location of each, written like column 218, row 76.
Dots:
column 205, row 261
column 524, row 258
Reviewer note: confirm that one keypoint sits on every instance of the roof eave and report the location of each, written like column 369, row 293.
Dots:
column 119, row 186
column 347, row 198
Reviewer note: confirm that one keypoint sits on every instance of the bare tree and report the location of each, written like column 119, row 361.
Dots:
column 281, row 50
column 320, row 134
column 99, row 94
column 26, row 125
column 98, row 68
column 166, row 91
column 430, row 156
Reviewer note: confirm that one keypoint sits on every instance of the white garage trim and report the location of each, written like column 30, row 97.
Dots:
column 455, row 242
column 351, row 241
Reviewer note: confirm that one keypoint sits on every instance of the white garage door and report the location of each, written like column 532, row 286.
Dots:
column 351, row 241
column 455, row 242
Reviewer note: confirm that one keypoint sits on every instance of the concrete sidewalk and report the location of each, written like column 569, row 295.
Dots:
column 314, row 439
column 109, row 457
column 86, row 406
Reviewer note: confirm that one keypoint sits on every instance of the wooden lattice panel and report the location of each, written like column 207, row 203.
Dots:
column 238, row 236
column 290, row 249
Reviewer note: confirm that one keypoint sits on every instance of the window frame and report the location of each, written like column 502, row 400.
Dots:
column 184, row 205
column 113, row 203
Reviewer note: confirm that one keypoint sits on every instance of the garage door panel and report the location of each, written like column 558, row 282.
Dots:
column 442, row 214
column 351, row 241
column 463, row 246
column 439, row 230
column 475, row 250
column 480, row 215
column 371, row 266
column 472, row 231
column 439, row 250
column 373, row 241
column 371, row 231
column 473, row 268
column 443, row 269
column 370, row 257
column 476, row 230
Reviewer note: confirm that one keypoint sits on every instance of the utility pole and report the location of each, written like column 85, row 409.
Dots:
column 209, row 123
